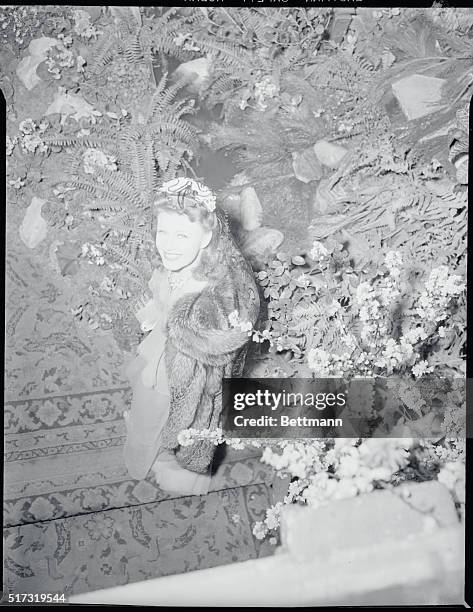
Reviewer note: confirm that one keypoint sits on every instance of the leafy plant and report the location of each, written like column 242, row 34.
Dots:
column 112, row 174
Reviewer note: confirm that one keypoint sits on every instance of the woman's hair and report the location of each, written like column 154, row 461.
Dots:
column 185, row 205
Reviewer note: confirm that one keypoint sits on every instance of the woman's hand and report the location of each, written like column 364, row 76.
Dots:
column 147, row 326
column 147, row 315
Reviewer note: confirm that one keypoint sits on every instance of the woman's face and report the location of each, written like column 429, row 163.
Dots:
column 179, row 240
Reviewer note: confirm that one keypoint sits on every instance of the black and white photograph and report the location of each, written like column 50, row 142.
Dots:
column 235, row 303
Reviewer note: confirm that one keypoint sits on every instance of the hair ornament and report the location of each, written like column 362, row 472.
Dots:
column 189, row 188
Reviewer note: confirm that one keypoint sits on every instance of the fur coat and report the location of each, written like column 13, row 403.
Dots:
column 202, row 348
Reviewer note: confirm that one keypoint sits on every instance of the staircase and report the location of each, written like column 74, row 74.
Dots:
column 74, row 520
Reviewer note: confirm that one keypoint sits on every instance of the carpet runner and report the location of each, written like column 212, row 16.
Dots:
column 74, row 520
column 113, row 547
column 63, row 456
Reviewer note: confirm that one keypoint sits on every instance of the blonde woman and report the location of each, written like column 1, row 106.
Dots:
column 178, row 370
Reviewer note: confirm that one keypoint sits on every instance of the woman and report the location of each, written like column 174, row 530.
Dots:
column 177, row 374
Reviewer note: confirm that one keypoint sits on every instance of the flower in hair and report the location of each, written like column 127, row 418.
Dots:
column 187, row 187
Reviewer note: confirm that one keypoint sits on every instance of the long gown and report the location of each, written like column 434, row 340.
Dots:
column 150, row 403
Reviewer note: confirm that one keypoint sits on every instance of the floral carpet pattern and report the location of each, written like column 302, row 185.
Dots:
column 45, row 352
column 63, row 456
column 104, row 549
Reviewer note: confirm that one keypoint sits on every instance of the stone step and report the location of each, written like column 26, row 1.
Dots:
column 357, row 525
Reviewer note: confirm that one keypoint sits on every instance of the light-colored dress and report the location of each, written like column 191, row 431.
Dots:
column 151, row 399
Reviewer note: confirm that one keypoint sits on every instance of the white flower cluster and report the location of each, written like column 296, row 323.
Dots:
column 329, row 365
column 297, row 458
column 82, row 25
column 16, row 183
column 187, row 437
column 394, row 354
column 30, row 136
column 235, row 322
column 388, row 293
column 324, row 488
column 94, row 253
column 246, row 326
column 414, row 335
column 271, row 521
column 366, row 297
column 264, row 89
column 401, row 353
column 354, row 469
column 318, row 251
column 440, row 288
column 324, row 469
column 421, row 368
column 394, row 262
column 452, row 450
column 94, row 158
column 373, row 300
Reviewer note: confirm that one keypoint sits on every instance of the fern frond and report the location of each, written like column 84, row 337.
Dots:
column 163, row 97
column 119, row 184
column 121, row 256
column 223, row 85
column 90, row 186
column 161, row 34
column 363, row 62
column 103, row 51
column 182, row 107
column 173, row 132
column 252, row 21
column 231, row 56
column 106, row 206
column 132, row 49
column 98, row 139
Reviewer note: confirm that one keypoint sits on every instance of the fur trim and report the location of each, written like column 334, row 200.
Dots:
column 201, row 349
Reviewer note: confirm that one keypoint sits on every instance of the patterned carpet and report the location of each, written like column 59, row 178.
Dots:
column 74, row 520
column 63, row 456
column 103, row 549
